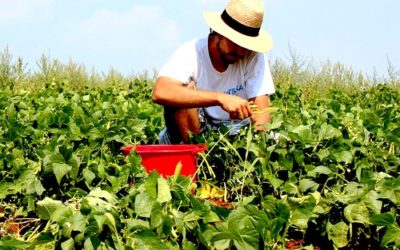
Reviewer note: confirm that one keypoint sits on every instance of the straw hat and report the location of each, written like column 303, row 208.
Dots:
column 241, row 23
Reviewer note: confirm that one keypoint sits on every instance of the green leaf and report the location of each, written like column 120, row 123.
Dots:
column 66, row 230
column 96, row 204
column 52, row 158
column 35, row 187
column 244, row 224
column 164, row 192
column 78, row 222
column 323, row 154
column 191, row 216
column 43, row 117
column 290, row 188
column 74, row 162
column 300, row 218
column 384, row 219
column 38, row 187
column 319, row 170
column 10, row 112
column 60, row 170
column 88, row 245
column 61, row 214
column 392, row 235
column 335, row 105
column 223, row 236
column 151, row 184
column 47, row 207
column 391, row 190
column 327, row 132
column 302, row 133
column 103, row 194
column 276, row 122
column 188, row 245
column 95, row 134
column 275, row 182
column 299, row 156
column 144, row 204
column 8, row 243
column 247, row 200
column 88, row 175
column 148, row 241
column 343, row 156
column 135, row 161
column 86, row 98
column 68, row 244
column 338, row 233
column 99, row 201
column 43, row 238
column 100, row 220
column 357, row 212
column 372, row 201
column 308, row 185
column 157, row 216
column 211, row 216
column 75, row 131
column 111, row 223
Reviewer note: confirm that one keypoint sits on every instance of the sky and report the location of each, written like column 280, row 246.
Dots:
column 136, row 36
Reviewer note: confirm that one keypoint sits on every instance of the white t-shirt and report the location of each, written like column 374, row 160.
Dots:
column 247, row 78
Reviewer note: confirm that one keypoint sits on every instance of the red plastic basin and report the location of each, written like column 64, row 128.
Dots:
column 164, row 158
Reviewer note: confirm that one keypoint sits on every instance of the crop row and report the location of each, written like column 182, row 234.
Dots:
column 330, row 180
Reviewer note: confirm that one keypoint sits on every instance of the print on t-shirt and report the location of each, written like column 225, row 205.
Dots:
column 235, row 90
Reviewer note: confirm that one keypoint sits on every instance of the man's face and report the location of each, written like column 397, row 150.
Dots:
column 229, row 51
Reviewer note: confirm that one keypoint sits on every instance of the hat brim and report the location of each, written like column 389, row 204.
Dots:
column 260, row 43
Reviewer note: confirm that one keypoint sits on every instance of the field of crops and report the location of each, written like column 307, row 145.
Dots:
column 330, row 181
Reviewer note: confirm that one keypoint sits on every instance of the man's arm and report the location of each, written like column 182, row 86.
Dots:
column 262, row 118
column 170, row 92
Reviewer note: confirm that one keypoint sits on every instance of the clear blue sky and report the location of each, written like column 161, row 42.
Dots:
column 133, row 36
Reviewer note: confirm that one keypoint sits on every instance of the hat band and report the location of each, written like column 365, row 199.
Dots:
column 245, row 30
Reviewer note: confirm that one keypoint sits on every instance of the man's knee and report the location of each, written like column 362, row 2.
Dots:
column 181, row 121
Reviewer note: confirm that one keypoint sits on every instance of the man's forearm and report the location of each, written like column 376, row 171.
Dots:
column 178, row 95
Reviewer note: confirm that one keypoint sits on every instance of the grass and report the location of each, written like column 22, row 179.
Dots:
column 15, row 74
column 315, row 80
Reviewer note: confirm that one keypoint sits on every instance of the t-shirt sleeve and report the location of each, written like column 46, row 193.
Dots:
column 182, row 64
column 258, row 77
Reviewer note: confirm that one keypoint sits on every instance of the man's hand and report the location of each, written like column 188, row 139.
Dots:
column 237, row 107
column 262, row 118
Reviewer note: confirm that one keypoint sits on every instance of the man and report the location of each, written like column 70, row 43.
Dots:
column 215, row 80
